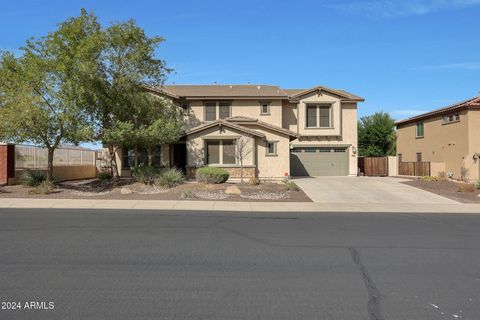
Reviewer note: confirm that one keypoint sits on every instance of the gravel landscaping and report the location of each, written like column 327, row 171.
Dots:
column 128, row 189
column 448, row 189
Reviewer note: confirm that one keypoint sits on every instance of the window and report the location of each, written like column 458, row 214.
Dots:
column 228, row 152
column 220, row 151
column 419, row 157
column 339, row 150
column 265, row 108
column 128, row 157
column 420, row 130
column 324, row 150
column 319, row 116
column 311, row 116
column 324, row 117
column 271, row 147
column 297, row 150
column 310, row 150
column 451, row 118
column 224, row 110
column 185, row 108
column 210, row 111
column 213, row 152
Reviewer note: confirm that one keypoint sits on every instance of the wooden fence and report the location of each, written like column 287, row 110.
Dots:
column 418, row 169
column 373, row 166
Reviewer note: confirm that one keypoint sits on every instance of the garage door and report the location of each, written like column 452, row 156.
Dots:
column 319, row 161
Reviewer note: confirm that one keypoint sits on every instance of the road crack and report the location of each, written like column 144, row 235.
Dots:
column 374, row 308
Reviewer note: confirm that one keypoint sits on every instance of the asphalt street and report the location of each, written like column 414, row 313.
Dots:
column 100, row 264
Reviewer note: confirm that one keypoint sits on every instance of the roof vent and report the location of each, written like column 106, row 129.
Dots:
column 231, row 87
column 259, row 87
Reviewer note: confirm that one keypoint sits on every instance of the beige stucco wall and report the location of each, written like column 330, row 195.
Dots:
column 473, row 143
column 335, row 114
column 451, row 143
column 392, row 166
column 268, row 166
column 196, row 144
column 64, row 173
column 347, row 134
column 245, row 108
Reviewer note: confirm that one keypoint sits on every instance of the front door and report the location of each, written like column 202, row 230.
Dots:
column 179, row 155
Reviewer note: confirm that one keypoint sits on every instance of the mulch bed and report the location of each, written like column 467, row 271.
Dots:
column 127, row 189
column 448, row 189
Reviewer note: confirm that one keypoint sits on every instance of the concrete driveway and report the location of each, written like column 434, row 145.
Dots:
column 385, row 190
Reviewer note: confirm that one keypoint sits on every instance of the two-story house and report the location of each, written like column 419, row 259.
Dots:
column 284, row 132
column 448, row 137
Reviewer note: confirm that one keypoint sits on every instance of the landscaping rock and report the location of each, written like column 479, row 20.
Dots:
column 126, row 191
column 232, row 190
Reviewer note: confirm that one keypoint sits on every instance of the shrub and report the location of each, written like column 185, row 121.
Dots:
column 433, row 179
column 477, row 185
column 104, row 175
column 212, row 175
column 466, row 187
column 45, row 187
column 254, row 181
column 33, row 178
column 188, row 194
column 144, row 173
column 170, row 178
column 291, row 185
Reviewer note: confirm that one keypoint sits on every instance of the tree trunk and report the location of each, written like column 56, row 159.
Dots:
column 112, row 159
column 135, row 161
column 50, row 164
column 149, row 154
column 241, row 171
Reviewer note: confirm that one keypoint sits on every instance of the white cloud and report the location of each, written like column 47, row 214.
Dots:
column 454, row 66
column 398, row 8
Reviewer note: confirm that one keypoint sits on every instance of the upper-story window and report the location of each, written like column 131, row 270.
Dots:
column 220, row 110
column 420, row 131
column 264, row 108
column 451, row 118
column 319, row 116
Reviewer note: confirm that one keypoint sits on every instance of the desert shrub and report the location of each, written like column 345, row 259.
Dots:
column 104, row 175
column 212, row 175
column 466, row 187
column 188, row 194
column 45, row 187
column 433, row 179
column 254, row 181
column 170, row 178
column 33, row 178
column 291, row 185
column 477, row 184
column 145, row 174
column 443, row 175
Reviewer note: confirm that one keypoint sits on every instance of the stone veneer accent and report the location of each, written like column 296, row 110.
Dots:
column 248, row 172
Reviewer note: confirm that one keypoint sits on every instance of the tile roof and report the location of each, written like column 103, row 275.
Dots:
column 243, row 91
column 470, row 103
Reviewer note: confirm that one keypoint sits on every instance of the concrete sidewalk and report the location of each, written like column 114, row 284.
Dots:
column 238, row 206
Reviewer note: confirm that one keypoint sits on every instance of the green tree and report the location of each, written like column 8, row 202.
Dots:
column 376, row 135
column 126, row 113
column 43, row 92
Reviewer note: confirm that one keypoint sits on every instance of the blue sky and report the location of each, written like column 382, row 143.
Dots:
column 404, row 57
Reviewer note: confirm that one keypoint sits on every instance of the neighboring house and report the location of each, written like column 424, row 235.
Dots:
column 448, row 137
column 288, row 132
